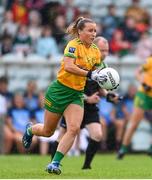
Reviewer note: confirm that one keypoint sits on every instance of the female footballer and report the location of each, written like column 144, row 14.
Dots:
column 142, row 103
column 65, row 95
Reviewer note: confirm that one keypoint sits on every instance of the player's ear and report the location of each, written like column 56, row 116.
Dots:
column 79, row 32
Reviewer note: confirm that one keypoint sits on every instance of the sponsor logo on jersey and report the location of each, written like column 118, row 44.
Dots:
column 72, row 49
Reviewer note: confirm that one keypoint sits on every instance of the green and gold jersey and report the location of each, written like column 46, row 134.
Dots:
column 84, row 57
column 147, row 68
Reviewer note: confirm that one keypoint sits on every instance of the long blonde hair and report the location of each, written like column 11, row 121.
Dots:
column 79, row 23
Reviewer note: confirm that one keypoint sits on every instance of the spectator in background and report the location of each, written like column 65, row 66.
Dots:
column 35, row 27
column 129, row 30
column 85, row 14
column 4, row 136
column 22, row 41
column 105, row 109
column 6, row 45
column 139, row 14
column 4, row 90
column 129, row 101
column 3, row 105
column 121, row 113
column 49, row 12
column 8, row 26
column 30, row 96
column 20, row 12
column 59, row 31
column 118, row 45
column 17, row 118
column 69, row 11
column 110, row 22
column 143, row 48
column 46, row 45
column 38, row 117
column 7, row 4
column 118, row 119
column 100, row 29
column 35, row 4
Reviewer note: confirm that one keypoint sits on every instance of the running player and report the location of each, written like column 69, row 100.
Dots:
column 91, row 117
column 65, row 95
column 142, row 103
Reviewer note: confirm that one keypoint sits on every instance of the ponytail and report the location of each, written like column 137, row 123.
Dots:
column 79, row 23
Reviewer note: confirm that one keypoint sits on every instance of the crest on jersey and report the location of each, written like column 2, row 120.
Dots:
column 71, row 49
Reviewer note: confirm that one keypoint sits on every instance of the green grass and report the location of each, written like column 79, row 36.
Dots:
column 103, row 166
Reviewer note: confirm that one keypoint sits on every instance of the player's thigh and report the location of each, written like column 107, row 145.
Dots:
column 137, row 115
column 74, row 116
column 51, row 120
column 95, row 130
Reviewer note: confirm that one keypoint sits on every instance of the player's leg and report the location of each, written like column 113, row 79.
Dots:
column 95, row 134
column 136, row 117
column 73, row 115
column 62, row 131
column 120, row 125
column 148, row 116
column 104, row 129
column 47, row 129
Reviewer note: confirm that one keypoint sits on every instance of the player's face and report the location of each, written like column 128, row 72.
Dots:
column 104, row 49
column 88, row 34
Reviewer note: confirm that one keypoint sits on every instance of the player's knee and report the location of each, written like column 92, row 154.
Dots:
column 74, row 130
column 97, row 136
column 132, row 125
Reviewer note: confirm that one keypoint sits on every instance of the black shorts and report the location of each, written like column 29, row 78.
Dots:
column 89, row 117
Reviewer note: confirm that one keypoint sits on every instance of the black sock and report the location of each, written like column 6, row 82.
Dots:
column 90, row 152
column 54, row 148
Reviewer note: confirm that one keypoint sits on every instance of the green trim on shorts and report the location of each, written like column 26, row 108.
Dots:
column 58, row 97
column 143, row 101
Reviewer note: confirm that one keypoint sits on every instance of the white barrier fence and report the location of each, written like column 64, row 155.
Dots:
column 44, row 71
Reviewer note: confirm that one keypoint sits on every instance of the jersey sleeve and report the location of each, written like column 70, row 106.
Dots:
column 71, row 50
column 148, row 64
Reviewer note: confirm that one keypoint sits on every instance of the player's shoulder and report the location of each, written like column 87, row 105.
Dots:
column 75, row 41
column 94, row 46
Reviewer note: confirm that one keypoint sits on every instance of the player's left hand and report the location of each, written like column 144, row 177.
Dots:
column 113, row 97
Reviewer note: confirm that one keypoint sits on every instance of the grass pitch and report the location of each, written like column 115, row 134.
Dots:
column 104, row 166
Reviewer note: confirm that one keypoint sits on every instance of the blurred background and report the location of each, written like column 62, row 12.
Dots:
column 32, row 39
